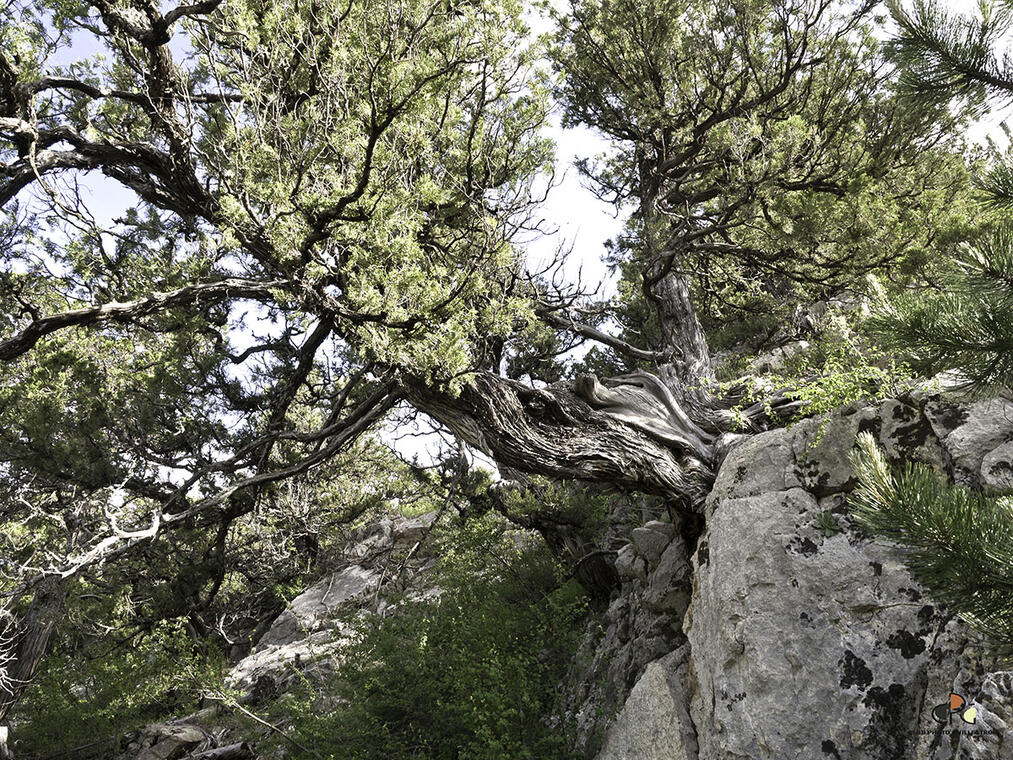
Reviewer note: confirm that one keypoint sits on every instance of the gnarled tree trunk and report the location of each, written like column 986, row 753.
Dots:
column 30, row 641
column 630, row 432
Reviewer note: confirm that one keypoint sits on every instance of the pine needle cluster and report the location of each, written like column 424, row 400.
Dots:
column 943, row 55
column 969, row 328
column 958, row 542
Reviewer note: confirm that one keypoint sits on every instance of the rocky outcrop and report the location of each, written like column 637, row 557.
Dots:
column 769, row 628
column 641, row 625
column 305, row 641
column 655, row 721
column 805, row 638
column 309, row 634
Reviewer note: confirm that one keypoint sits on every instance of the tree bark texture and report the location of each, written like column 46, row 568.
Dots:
column 32, row 640
column 629, row 433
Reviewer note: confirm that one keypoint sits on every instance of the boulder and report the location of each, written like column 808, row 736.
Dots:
column 654, row 721
column 314, row 608
column 651, row 539
column 309, row 635
column 805, row 638
column 170, row 741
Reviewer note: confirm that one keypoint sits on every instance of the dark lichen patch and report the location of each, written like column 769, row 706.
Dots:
column 877, row 568
column 950, row 416
column 703, row 553
column 804, row 546
column 937, row 656
column 1001, row 467
column 871, row 425
column 906, row 643
column 910, row 437
column 821, row 483
column 911, row 593
column 926, row 613
column 854, row 671
column 890, row 724
column 733, row 699
column 829, row 748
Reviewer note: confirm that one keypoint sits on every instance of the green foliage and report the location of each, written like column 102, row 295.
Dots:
column 957, row 542
column 111, row 688
column 773, row 161
column 960, row 322
column 838, row 372
column 966, row 328
column 826, row 524
column 468, row 673
column 567, row 503
column 944, row 55
column 837, row 368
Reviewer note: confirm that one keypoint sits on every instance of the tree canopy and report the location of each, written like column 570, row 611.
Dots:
column 322, row 236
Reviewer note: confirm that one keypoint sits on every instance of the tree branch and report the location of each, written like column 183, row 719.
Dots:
column 205, row 293
column 556, row 431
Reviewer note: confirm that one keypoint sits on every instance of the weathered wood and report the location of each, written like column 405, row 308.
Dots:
column 635, row 440
column 33, row 638
column 682, row 332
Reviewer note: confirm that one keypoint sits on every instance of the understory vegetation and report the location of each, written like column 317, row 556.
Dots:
column 266, row 282
column 472, row 672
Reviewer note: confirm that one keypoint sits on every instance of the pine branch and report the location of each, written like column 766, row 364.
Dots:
column 957, row 542
column 970, row 328
column 997, row 184
column 944, row 55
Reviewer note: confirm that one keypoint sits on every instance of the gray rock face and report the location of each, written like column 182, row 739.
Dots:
column 654, row 721
column 804, row 638
column 310, row 634
column 640, row 626
column 310, row 611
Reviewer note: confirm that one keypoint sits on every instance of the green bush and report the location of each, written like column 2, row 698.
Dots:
column 92, row 697
column 470, row 674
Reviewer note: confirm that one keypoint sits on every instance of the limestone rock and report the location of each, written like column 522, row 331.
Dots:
column 976, row 430
column 997, row 468
column 990, row 737
column 170, row 741
column 315, row 653
column 310, row 634
column 806, row 644
column 805, row 638
column 654, row 721
column 775, row 360
column 651, row 539
column 310, row 610
column 629, row 565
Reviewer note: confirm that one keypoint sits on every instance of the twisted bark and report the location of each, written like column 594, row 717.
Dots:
column 33, row 638
column 629, row 433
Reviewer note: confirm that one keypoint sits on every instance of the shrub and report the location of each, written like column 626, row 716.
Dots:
column 467, row 674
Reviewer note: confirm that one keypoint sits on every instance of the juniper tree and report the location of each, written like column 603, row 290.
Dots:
column 324, row 205
column 767, row 156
